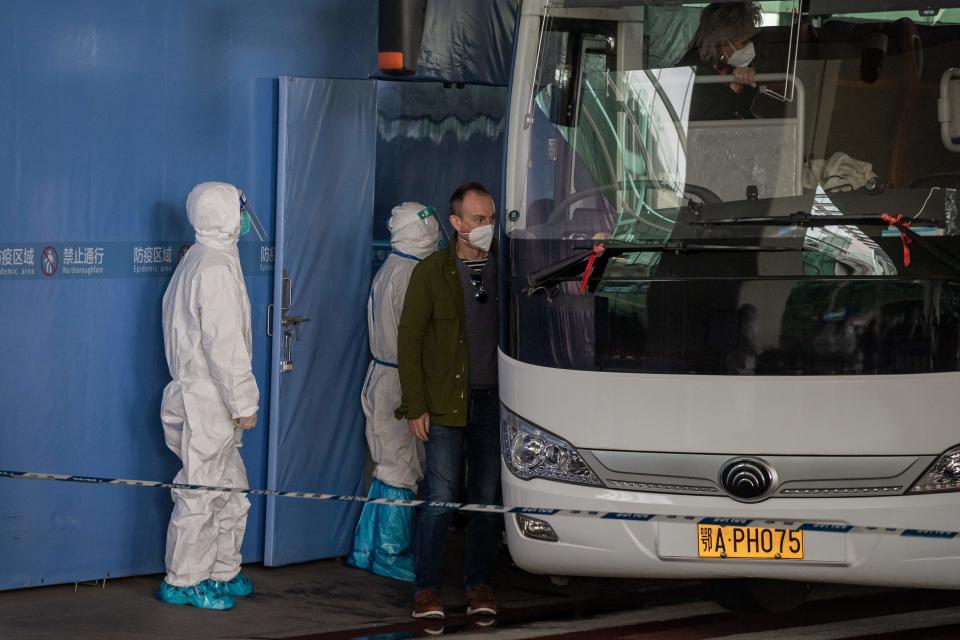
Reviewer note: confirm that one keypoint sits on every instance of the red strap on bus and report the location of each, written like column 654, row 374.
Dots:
column 597, row 252
column 899, row 222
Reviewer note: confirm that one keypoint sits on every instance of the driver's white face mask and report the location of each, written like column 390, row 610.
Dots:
column 742, row 57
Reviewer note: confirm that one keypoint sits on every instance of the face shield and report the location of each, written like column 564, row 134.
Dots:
column 249, row 219
column 425, row 215
column 431, row 212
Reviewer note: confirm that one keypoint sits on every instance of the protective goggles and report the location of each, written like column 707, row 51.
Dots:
column 249, row 219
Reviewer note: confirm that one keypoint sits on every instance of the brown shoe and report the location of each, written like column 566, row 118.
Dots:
column 480, row 600
column 427, row 604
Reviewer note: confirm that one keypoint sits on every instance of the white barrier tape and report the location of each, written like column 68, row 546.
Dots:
column 798, row 525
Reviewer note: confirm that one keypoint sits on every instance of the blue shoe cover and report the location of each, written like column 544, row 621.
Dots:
column 239, row 587
column 384, row 536
column 200, row 596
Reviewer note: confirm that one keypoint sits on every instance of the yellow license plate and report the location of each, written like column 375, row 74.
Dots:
column 722, row 541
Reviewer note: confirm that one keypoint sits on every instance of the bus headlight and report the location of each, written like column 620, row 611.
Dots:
column 530, row 452
column 943, row 475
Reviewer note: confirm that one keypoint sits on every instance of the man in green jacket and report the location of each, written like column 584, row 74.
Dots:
column 447, row 356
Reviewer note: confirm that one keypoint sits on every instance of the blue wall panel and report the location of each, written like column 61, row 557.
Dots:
column 110, row 111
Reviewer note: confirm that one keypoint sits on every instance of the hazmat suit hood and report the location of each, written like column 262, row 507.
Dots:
column 414, row 229
column 213, row 209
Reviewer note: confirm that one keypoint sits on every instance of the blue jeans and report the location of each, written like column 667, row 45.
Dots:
column 445, row 450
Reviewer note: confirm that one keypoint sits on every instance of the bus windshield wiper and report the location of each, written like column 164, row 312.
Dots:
column 902, row 224
column 802, row 218
column 602, row 252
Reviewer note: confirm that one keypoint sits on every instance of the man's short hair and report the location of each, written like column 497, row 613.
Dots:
column 456, row 200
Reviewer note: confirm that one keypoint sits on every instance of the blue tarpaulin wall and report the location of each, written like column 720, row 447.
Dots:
column 446, row 124
column 110, row 111
column 430, row 139
column 468, row 41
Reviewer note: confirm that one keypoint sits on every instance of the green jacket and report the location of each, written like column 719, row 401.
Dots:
column 431, row 344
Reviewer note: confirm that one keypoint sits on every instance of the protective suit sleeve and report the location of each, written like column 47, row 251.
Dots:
column 224, row 344
column 417, row 311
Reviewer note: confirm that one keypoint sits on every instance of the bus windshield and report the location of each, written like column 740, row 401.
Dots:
column 755, row 189
column 641, row 130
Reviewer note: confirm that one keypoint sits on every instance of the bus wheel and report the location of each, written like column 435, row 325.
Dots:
column 776, row 596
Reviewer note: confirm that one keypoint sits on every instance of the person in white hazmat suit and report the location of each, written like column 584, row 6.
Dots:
column 382, row 542
column 212, row 399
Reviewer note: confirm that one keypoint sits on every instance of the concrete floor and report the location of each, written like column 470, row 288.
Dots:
column 328, row 601
column 302, row 600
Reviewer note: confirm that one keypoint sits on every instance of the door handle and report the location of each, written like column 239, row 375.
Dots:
column 290, row 325
column 294, row 322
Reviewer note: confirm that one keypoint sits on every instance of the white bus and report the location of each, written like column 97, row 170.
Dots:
column 708, row 316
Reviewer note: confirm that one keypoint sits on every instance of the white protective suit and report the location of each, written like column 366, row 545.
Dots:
column 396, row 452
column 206, row 332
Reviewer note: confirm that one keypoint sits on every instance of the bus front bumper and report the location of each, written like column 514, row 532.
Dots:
column 615, row 548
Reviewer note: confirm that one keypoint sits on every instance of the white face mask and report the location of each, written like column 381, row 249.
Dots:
column 481, row 237
column 742, row 57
